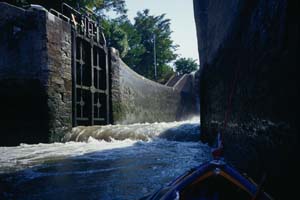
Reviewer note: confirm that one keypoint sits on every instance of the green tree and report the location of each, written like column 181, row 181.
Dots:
column 185, row 65
column 149, row 27
column 135, row 47
column 118, row 6
column 116, row 37
column 98, row 6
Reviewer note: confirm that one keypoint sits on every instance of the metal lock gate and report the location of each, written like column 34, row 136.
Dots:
column 89, row 70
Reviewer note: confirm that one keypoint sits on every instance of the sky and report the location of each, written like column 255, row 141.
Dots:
column 181, row 14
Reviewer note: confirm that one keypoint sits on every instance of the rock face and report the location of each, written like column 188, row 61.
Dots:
column 249, row 77
column 35, row 76
column 136, row 99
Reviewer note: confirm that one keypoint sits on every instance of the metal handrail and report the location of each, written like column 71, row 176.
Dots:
column 69, row 7
column 60, row 15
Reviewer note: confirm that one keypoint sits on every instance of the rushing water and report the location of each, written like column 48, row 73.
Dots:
column 110, row 162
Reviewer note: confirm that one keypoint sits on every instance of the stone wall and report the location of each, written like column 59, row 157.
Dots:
column 35, row 76
column 136, row 99
column 59, row 67
column 249, row 72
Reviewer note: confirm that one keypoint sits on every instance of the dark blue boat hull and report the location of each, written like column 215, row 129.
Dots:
column 211, row 180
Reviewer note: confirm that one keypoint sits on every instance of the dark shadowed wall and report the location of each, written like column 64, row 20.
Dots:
column 249, row 73
column 35, row 76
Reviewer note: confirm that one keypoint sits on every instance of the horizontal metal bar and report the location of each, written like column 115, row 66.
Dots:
column 97, row 67
column 100, row 91
column 99, row 119
column 80, row 61
column 92, row 41
column 82, row 118
column 89, row 88
column 83, row 87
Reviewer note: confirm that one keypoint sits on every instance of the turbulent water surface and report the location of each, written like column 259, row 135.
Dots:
column 110, row 162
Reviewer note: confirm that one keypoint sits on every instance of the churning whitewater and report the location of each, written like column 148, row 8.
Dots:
column 108, row 162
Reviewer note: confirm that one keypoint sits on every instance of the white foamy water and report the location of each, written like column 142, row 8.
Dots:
column 123, row 162
column 139, row 131
column 23, row 156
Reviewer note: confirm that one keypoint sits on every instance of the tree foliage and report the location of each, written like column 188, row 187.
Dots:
column 118, row 6
column 147, row 30
column 136, row 49
column 115, row 35
column 97, row 6
column 138, row 52
column 185, row 65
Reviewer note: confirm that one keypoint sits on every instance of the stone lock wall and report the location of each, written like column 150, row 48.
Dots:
column 136, row 99
column 35, row 76
column 59, row 90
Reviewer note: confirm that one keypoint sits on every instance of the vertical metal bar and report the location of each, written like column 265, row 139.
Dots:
column 107, row 85
column 97, row 36
column 92, row 31
column 81, row 62
column 81, row 75
column 92, row 83
column 74, row 79
column 86, row 28
column 98, row 79
column 98, row 70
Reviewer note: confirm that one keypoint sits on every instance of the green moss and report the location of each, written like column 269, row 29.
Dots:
column 118, row 111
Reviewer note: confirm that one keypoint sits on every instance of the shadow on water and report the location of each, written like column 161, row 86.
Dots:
column 129, row 172
column 188, row 133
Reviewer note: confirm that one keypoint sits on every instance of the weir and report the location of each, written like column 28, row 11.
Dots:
column 57, row 72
